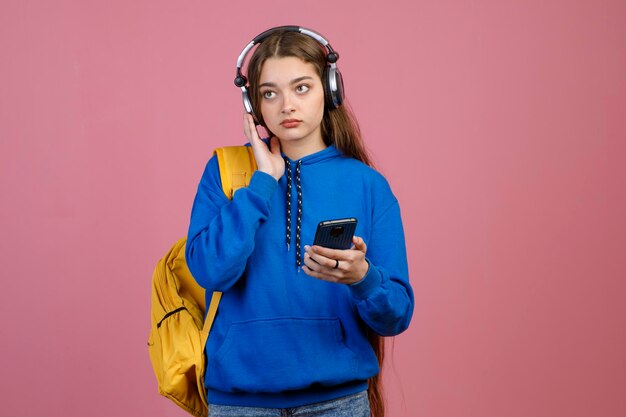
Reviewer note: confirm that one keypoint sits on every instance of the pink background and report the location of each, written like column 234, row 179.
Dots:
column 500, row 125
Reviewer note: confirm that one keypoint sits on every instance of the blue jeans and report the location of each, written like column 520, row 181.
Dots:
column 355, row 405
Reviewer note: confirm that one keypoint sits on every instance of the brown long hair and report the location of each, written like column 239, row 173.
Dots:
column 339, row 128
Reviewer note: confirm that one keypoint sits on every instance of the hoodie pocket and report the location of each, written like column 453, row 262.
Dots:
column 282, row 354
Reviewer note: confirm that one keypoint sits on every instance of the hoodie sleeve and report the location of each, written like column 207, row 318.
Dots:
column 221, row 232
column 384, row 298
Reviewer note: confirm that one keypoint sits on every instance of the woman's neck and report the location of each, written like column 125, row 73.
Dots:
column 295, row 149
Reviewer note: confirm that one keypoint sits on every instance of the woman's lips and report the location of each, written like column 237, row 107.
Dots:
column 290, row 123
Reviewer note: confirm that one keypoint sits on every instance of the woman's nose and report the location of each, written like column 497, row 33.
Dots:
column 287, row 105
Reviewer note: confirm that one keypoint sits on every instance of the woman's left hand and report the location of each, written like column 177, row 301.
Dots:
column 335, row 265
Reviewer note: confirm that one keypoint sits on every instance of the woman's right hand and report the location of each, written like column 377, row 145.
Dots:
column 268, row 160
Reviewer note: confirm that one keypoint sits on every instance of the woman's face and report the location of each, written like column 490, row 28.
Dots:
column 292, row 99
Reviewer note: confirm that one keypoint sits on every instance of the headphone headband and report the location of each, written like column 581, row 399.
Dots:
column 262, row 36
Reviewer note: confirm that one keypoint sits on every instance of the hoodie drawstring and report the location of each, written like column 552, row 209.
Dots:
column 299, row 214
column 299, row 218
column 288, row 166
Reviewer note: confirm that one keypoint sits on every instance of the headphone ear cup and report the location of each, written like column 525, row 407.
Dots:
column 328, row 95
column 333, row 87
column 339, row 92
column 247, row 103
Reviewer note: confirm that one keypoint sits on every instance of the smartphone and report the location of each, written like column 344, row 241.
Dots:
column 335, row 234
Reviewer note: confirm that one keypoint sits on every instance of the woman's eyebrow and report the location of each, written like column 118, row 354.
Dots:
column 294, row 81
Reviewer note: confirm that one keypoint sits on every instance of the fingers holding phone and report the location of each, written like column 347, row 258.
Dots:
column 336, row 255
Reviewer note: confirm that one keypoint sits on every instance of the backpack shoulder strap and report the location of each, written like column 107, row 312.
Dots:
column 237, row 164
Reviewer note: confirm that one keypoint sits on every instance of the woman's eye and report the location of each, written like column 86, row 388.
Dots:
column 268, row 94
column 302, row 88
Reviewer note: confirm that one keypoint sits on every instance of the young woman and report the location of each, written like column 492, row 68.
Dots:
column 298, row 328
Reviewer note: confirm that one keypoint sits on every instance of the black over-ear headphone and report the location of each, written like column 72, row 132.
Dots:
column 331, row 78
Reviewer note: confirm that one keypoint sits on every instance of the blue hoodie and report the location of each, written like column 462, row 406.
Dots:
column 282, row 338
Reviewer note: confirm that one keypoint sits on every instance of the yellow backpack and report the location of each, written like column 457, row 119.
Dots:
column 179, row 331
